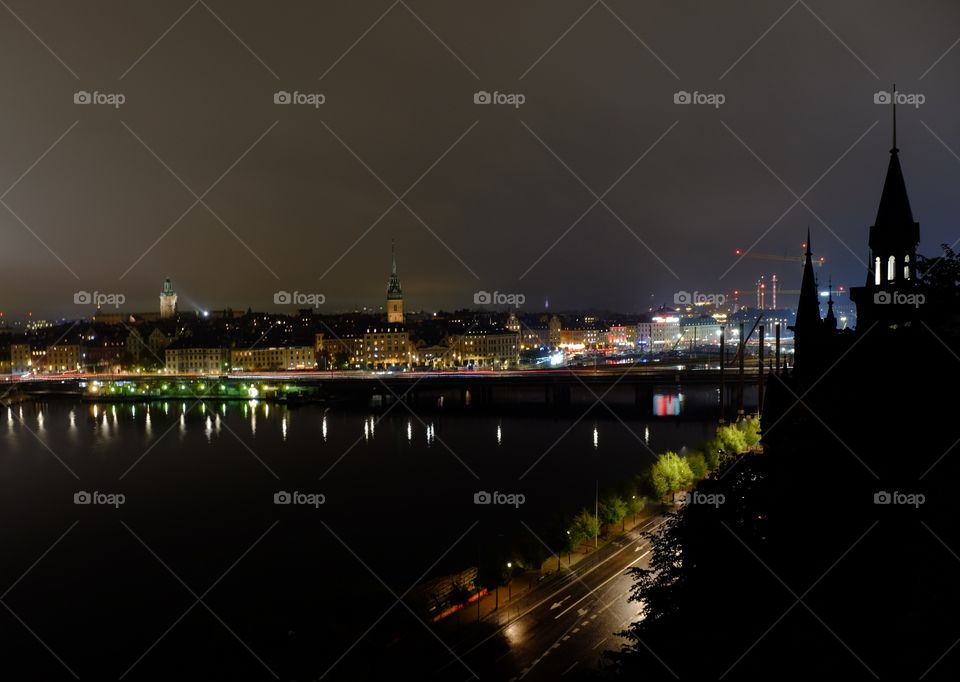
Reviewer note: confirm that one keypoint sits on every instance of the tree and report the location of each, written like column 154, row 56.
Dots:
column 941, row 275
column 732, row 440
column 584, row 526
column 712, row 450
column 698, row 464
column 670, row 473
column 635, row 504
column 750, row 428
column 612, row 509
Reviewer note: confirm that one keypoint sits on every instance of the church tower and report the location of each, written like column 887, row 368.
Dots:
column 894, row 236
column 168, row 301
column 394, row 292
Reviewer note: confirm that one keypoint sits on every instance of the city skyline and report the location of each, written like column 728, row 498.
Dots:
column 89, row 304
column 326, row 178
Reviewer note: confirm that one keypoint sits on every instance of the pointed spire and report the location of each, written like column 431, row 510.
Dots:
column 808, row 308
column 830, row 321
column 393, row 287
column 893, row 104
column 894, row 209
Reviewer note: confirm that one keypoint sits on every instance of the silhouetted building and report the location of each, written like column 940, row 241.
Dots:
column 890, row 294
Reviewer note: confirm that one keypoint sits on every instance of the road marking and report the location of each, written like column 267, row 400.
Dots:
column 575, row 631
column 569, row 669
column 590, row 593
column 558, row 604
column 600, row 642
column 647, row 526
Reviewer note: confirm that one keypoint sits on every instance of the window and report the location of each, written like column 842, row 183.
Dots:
column 876, row 271
column 891, row 269
column 906, row 266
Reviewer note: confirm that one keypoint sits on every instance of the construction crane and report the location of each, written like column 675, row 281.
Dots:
column 739, row 253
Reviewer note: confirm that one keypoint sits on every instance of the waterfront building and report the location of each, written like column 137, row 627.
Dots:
column 273, row 359
column 386, row 347
column 191, row 357
column 492, row 347
column 64, row 357
column 661, row 332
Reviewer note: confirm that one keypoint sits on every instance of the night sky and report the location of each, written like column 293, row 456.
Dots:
column 300, row 194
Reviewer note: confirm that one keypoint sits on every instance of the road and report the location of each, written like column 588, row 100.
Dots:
column 562, row 627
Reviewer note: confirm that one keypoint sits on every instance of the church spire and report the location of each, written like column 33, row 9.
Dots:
column 394, row 292
column 893, row 104
column 808, row 308
column 393, row 287
column 894, row 210
column 830, row 321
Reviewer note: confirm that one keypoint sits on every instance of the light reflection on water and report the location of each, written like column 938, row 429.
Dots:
column 306, row 428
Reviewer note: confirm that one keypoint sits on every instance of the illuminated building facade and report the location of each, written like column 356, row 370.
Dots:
column 490, row 348
column 193, row 359
column 386, row 347
column 168, row 301
column 273, row 359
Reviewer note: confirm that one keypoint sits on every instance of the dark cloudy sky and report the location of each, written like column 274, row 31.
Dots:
column 296, row 210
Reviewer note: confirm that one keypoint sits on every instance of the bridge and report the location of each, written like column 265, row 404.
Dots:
column 623, row 388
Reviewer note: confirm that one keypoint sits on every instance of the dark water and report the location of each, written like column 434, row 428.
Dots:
column 290, row 585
